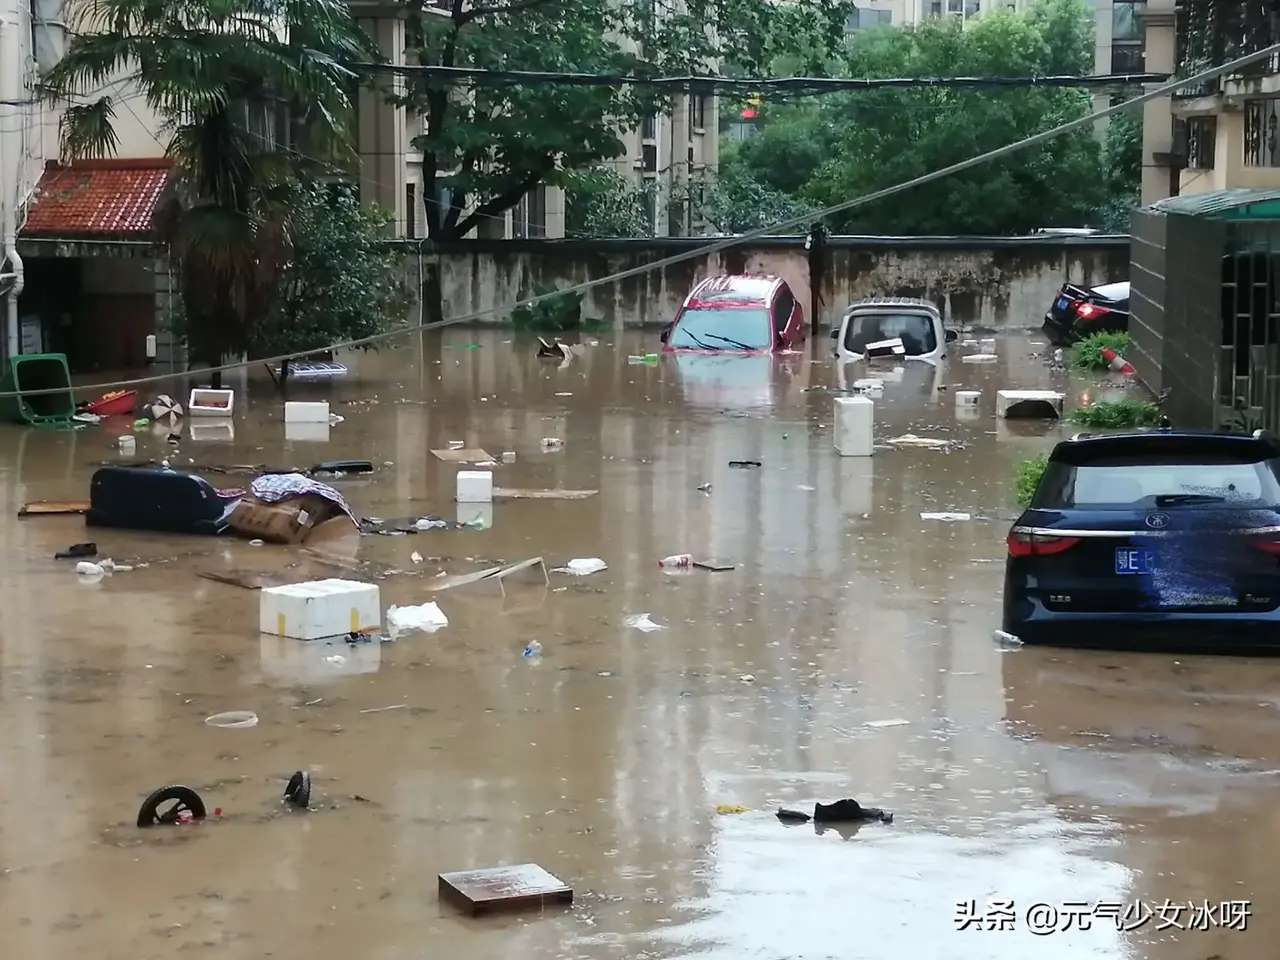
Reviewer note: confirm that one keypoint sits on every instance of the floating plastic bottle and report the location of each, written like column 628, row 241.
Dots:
column 677, row 560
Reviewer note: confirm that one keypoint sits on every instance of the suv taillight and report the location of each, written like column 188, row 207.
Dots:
column 1024, row 544
column 1266, row 545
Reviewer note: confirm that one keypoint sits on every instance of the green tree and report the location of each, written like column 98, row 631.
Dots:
column 600, row 202
column 341, row 279
column 886, row 136
column 486, row 147
column 1122, row 160
column 226, row 76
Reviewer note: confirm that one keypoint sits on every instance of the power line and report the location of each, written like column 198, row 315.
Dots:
column 716, row 246
column 706, row 83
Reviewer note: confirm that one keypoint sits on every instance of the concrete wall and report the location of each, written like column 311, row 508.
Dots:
column 991, row 282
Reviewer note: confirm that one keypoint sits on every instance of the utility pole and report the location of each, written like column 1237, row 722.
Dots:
column 816, row 246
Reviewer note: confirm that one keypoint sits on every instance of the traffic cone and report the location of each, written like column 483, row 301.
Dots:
column 1117, row 363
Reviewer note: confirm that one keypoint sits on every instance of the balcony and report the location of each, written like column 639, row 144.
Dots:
column 1212, row 32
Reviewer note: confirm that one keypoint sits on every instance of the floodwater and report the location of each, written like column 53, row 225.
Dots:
column 1035, row 776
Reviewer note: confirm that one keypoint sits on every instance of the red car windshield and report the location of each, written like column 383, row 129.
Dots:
column 726, row 328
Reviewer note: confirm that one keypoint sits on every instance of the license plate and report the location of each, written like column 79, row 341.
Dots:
column 1062, row 304
column 1135, row 560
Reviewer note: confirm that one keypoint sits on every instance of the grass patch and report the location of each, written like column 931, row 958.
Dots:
column 1088, row 352
column 1119, row 413
column 1027, row 478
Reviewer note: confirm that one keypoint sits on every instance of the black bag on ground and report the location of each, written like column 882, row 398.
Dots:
column 154, row 499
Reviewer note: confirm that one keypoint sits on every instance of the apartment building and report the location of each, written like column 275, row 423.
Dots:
column 81, row 270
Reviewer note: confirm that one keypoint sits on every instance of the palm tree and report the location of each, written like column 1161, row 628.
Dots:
column 232, row 80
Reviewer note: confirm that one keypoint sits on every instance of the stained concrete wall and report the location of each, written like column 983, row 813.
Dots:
column 994, row 282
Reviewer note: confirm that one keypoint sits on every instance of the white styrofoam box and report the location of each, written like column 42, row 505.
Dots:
column 286, row 659
column 475, row 486
column 968, row 398
column 987, row 345
column 128, row 444
column 319, row 608
column 1041, row 404
column 869, row 385
column 307, row 431
column 305, row 411
column 150, row 346
column 212, row 431
column 854, row 418
column 210, row 403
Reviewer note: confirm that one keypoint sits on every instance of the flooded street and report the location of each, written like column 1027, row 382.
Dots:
column 1031, row 775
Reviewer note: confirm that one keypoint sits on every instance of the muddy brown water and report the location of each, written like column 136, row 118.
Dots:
column 1037, row 776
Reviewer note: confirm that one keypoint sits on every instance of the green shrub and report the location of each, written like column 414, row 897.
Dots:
column 1118, row 413
column 555, row 314
column 1088, row 352
column 1027, row 478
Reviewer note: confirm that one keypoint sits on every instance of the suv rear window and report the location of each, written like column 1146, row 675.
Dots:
column 1159, row 482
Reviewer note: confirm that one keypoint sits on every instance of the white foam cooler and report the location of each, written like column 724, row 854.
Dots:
column 475, row 486
column 305, row 411
column 319, row 608
column 1028, row 403
column 854, row 422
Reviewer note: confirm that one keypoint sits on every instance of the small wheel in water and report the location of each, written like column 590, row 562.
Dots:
column 169, row 805
column 298, row 790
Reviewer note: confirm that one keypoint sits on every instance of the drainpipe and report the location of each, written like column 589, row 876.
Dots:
column 10, row 91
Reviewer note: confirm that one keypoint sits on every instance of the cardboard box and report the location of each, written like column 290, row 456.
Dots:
column 319, row 608
column 289, row 521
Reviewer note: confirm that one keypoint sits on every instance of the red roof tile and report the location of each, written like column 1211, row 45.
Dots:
column 98, row 198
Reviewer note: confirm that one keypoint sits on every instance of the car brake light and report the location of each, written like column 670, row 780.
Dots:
column 1266, row 546
column 1023, row 544
column 1090, row 311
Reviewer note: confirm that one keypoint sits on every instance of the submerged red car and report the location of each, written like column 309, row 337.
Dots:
column 757, row 314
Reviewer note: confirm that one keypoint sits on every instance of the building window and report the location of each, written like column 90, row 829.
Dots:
column 1261, row 137
column 1126, row 23
column 1202, row 141
column 699, row 107
column 935, row 8
column 649, row 158
column 649, row 127
column 955, row 6
column 864, row 18
column 1127, row 58
column 972, row 8
column 410, row 211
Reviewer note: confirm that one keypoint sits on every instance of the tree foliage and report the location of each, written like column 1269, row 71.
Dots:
column 225, row 76
column 600, row 202
column 341, row 280
column 486, row 148
column 849, row 145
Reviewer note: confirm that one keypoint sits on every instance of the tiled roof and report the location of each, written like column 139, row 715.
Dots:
column 98, row 198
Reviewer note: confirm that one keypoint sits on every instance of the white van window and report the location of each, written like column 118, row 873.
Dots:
column 914, row 329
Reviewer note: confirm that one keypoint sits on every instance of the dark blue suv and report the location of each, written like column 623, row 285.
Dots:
column 1157, row 540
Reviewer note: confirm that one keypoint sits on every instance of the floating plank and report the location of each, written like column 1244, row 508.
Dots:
column 522, row 493
column 53, row 507
column 503, row 888
column 250, row 579
column 489, row 573
column 465, row 455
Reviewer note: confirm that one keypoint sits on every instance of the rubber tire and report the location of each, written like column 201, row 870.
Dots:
column 298, row 790
column 189, row 798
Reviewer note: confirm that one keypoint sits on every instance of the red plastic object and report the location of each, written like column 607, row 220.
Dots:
column 114, row 404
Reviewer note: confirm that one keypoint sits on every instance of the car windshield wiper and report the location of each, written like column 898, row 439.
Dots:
column 700, row 343
column 736, row 343
column 1168, row 498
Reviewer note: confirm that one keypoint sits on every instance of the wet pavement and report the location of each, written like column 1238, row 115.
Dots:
column 1032, row 775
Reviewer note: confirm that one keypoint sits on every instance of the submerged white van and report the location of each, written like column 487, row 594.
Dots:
column 901, row 327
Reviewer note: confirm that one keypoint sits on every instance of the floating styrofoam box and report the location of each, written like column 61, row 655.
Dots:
column 1032, row 404
column 869, row 385
column 210, row 403
column 306, row 411
column 212, row 431
column 307, row 431
column 979, row 358
column 854, row 419
column 319, row 608
column 286, row 659
column 475, row 486
column 968, row 398
column 987, row 345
